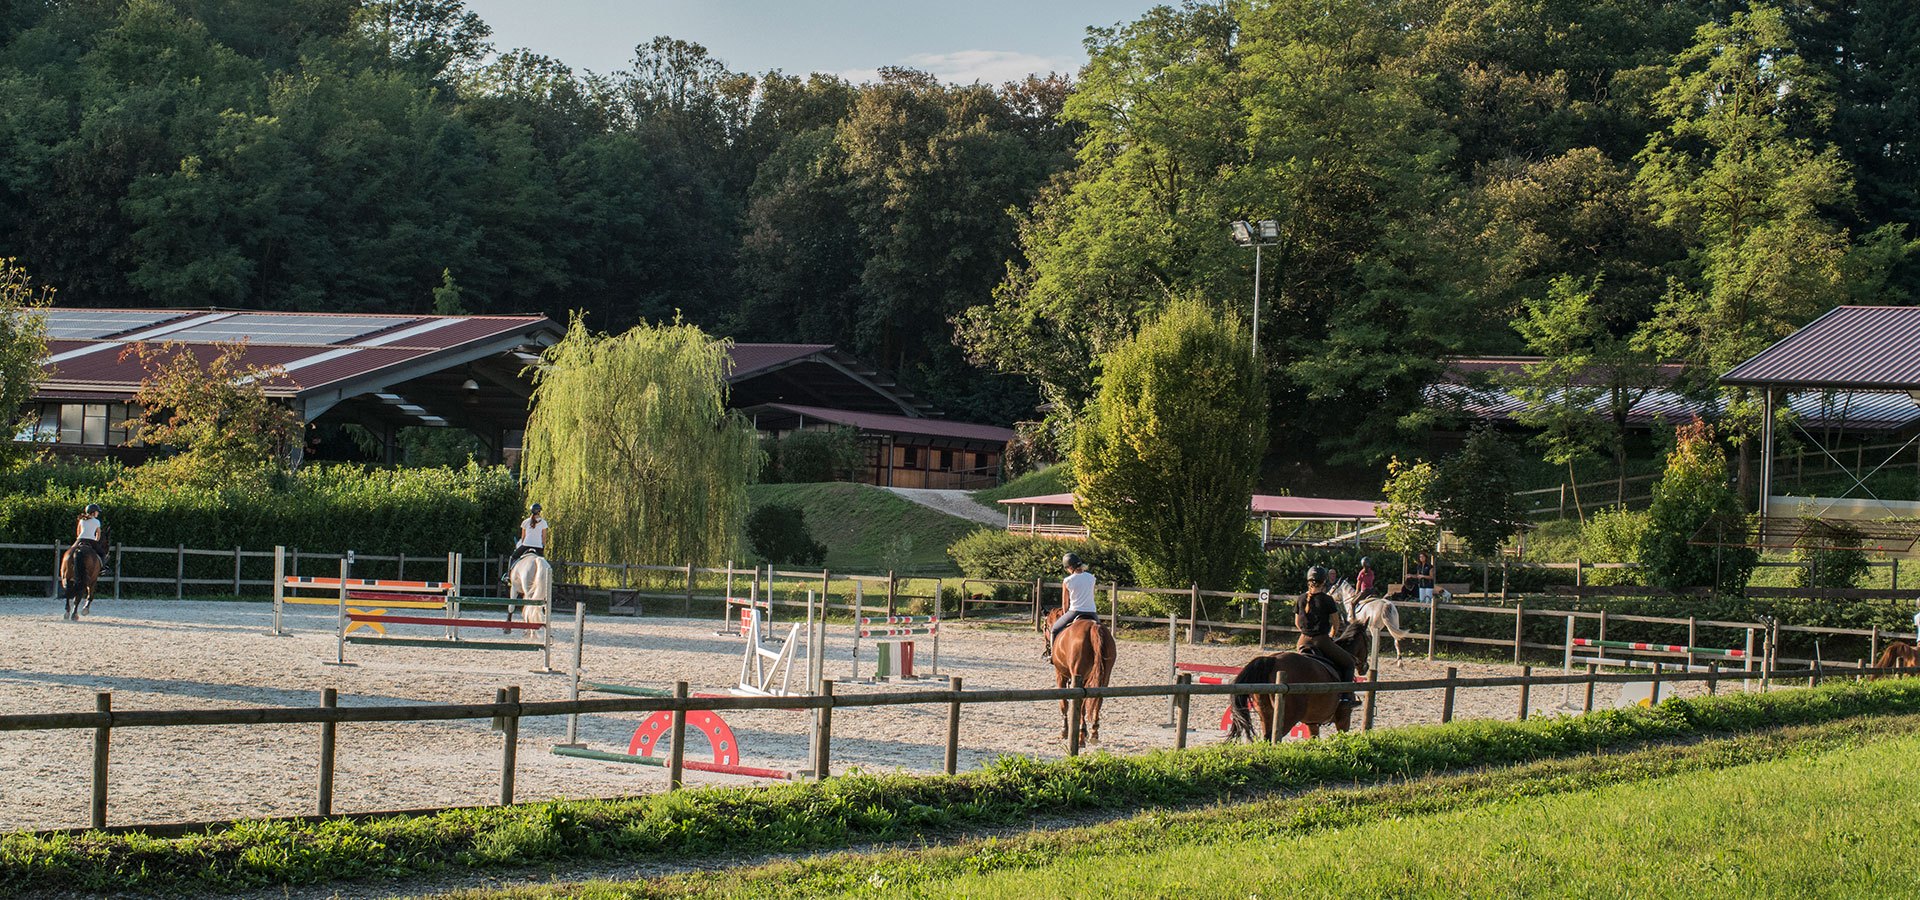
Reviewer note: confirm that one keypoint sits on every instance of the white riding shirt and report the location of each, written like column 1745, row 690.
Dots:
column 1080, row 592
column 89, row 530
column 533, row 534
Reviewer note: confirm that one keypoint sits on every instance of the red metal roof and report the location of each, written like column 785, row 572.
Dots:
column 749, row 359
column 373, row 343
column 1859, row 347
column 882, row 422
column 1266, row 504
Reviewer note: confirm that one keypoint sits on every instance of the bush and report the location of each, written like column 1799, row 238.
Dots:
column 422, row 513
column 1693, row 495
column 816, row 454
column 1005, row 556
column 1614, row 534
column 778, row 534
column 1285, row 571
column 1832, row 548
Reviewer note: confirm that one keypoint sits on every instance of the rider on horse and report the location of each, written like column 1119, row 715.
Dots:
column 1315, row 614
column 1076, row 597
column 533, row 539
column 90, row 532
column 1364, row 581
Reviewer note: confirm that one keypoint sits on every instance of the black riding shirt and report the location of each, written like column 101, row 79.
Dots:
column 1319, row 610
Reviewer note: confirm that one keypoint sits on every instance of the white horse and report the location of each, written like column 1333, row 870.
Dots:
column 531, row 579
column 1377, row 613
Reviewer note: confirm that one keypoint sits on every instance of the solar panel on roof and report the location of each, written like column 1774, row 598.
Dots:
column 268, row 328
column 92, row 324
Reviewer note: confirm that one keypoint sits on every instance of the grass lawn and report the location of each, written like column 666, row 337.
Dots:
column 870, row 530
column 1813, row 811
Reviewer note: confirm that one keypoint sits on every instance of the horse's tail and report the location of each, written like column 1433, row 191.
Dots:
column 1258, row 671
column 73, row 571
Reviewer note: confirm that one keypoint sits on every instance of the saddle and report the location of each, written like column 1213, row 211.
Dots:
column 1314, row 654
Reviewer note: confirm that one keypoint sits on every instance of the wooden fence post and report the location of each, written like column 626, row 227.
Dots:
column 1433, row 623
column 1519, row 625
column 1074, row 706
column 953, row 728
column 892, row 589
column 119, row 555
column 1713, row 677
column 510, row 727
column 329, row 698
column 179, row 571
column 1526, row 691
column 1592, row 670
column 102, row 738
column 1446, row 700
column 236, row 571
column 677, row 764
column 1193, row 613
column 823, row 741
column 1181, row 704
column 687, row 607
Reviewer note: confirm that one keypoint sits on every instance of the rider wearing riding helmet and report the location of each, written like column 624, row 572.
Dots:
column 1318, row 618
column 1363, row 580
column 1076, row 597
column 533, row 537
column 90, row 531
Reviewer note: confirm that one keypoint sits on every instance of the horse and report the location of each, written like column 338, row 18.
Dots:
column 531, row 579
column 1083, row 652
column 1898, row 655
column 1297, row 668
column 79, row 571
column 1377, row 613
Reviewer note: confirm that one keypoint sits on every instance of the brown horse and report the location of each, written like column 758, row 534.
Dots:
column 1082, row 654
column 1898, row 655
column 79, row 570
column 1295, row 667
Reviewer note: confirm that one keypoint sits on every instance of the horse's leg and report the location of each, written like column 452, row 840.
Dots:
column 1060, row 679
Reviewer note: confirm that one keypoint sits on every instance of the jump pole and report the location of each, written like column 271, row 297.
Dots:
column 573, row 683
column 340, row 627
column 279, row 586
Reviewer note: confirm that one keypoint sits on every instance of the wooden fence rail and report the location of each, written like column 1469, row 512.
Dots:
column 507, row 711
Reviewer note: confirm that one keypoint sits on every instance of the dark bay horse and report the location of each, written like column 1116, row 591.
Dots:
column 1082, row 653
column 79, row 570
column 1297, row 668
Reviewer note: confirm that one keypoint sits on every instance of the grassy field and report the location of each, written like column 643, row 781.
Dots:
column 1051, row 480
column 1793, row 813
column 868, row 529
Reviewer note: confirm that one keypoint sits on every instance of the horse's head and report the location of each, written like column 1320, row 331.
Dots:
column 1357, row 640
column 1051, row 617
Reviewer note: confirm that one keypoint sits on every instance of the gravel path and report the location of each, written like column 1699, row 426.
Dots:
column 158, row 654
column 954, row 503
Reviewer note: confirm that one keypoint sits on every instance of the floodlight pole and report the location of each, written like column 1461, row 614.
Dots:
column 1766, row 459
column 1256, row 300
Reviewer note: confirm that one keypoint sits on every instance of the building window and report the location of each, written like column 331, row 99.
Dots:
column 946, row 461
column 87, row 424
column 910, row 457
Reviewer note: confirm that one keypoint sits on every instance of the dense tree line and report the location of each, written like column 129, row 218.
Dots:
column 1616, row 180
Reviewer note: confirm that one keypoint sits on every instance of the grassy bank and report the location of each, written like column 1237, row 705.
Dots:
column 846, row 811
column 868, row 529
column 1631, row 824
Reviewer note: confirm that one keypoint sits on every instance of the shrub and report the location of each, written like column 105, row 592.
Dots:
column 778, row 534
column 1693, row 496
column 1002, row 555
column 817, row 454
column 422, row 513
column 1473, row 493
column 1614, row 534
column 1285, row 571
column 1832, row 549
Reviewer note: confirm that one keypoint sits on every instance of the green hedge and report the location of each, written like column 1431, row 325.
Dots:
column 423, row 513
column 991, row 553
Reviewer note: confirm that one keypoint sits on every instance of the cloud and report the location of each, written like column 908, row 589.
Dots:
column 969, row 66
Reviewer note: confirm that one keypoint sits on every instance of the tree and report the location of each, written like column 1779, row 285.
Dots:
column 631, row 447
column 1409, row 491
column 446, row 297
column 1473, row 492
column 1165, row 460
column 1696, row 527
column 23, row 344
column 778, row 534
column 1586, row 383
column 1752, row 200
column 216, row 411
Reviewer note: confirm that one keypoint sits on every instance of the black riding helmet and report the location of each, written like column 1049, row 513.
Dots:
column 1366, row 561
column 93, row 509
column 1317, row 575
column 534, row 508
column 1072, row 561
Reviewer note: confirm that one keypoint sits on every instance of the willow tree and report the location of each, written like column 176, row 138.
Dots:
column 1165, row 459
column 631, row 448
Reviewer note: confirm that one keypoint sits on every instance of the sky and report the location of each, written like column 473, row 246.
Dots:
column 960, row 40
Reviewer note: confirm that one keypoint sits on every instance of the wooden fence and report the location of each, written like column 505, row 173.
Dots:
column 507, row 710
column 485, row 570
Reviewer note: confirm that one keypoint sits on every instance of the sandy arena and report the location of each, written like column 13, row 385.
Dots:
column 163, row 654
